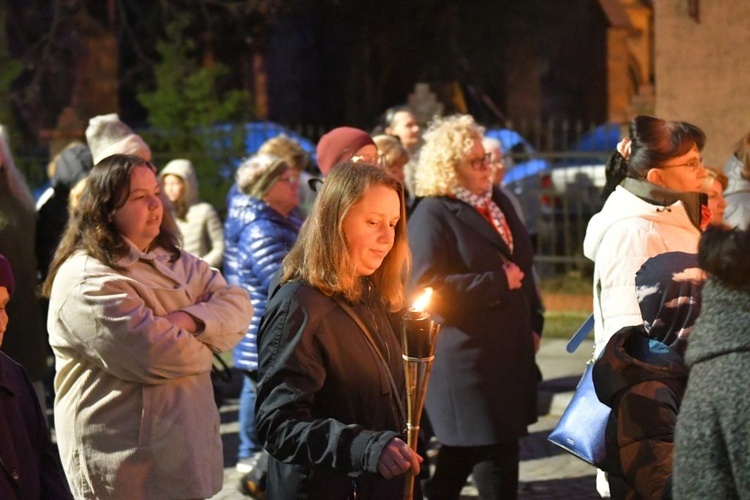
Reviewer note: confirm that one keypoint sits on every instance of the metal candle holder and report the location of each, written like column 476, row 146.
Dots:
column 418, row 339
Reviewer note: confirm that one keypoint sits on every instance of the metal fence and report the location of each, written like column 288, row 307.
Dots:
column 558, row 200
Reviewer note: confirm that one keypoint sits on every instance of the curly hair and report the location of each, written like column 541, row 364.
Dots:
column 447, row 142
column 321, row 257
column 91, row 228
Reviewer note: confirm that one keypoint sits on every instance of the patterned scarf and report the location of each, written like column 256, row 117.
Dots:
column 487, row 209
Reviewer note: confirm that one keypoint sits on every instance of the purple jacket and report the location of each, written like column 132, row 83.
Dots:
column 29, row 466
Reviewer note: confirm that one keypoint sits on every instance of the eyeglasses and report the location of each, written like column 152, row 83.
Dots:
column 480, row 163
column 291, row 179
column 692, row 165
column 376, row 160
column 498, row 163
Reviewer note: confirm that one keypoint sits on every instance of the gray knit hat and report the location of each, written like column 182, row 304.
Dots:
column 257, row 174
column 108, row 135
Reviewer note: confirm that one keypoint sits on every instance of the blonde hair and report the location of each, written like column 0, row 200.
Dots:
column 390, row 148
column 287, row 149
column 447, row 142
column 321, row 257
column 718, row 176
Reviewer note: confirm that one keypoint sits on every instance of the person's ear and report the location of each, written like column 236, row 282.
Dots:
column 654, row 176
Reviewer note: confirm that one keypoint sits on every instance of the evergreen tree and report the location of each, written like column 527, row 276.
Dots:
column 185, row 107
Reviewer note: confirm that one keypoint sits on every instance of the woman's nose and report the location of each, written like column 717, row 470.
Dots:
column 388, row 234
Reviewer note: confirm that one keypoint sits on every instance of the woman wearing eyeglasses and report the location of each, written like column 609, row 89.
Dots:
column 652, row 206
column 469, row 245
column 259, row 231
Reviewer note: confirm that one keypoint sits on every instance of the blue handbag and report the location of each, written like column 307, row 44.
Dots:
column 582, row 426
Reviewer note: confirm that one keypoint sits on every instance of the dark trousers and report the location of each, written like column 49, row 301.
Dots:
column 495, row 470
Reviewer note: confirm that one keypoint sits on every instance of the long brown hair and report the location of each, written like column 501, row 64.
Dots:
column 321, row 256
column 90, row 227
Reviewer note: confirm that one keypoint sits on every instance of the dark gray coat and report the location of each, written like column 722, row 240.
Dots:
column 483, row 385
column 712, row 440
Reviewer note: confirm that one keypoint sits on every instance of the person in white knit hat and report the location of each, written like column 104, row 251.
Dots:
column 108, row 135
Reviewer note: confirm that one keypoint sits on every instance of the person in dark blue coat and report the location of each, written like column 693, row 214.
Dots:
column 469, row 245
column 259, row 231
column 29, row 469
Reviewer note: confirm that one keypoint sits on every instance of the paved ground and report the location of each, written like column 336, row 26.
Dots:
column 547, row 472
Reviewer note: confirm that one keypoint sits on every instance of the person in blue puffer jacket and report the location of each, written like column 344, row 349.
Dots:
column 261, row 227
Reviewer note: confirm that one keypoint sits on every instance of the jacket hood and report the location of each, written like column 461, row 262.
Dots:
column 74, row 164
column 638, row 199
column 185, row 171
column 631, row 358
column 243, row 210
column 733, row 170
column 722, row 327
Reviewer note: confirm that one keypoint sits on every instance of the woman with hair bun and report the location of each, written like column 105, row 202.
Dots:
column 653, row 205
column 712, row 449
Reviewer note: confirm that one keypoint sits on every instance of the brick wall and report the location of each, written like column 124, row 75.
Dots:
column 702, row 71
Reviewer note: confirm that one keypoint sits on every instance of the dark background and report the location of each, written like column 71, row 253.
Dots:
column 325, row 62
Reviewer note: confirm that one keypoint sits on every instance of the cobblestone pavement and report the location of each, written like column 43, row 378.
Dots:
column 546, row 471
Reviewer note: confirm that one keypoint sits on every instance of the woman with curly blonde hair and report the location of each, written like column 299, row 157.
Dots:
column 469, row 245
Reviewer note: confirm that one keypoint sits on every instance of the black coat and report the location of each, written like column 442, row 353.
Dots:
column 324, row 408
column 643, row 381
column 483, row 385
column 29, row 468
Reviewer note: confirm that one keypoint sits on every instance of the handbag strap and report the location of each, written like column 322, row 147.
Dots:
column 580, row 335
column 394, row 388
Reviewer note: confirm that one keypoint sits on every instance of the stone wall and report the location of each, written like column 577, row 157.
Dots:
column 702, row 69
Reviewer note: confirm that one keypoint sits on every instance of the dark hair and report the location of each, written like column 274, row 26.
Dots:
column 91, row 228
column 725, row 253
column 386, row 119
column 653, row 142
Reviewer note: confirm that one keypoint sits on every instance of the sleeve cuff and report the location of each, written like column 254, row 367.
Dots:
column 367, row 448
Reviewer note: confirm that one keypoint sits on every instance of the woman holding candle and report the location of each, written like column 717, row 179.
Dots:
column 469, row 245
column 331, row 397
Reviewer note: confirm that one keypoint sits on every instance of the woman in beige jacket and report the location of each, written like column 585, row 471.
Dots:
column 134, row 322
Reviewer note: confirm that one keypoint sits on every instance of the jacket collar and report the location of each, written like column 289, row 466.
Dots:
column 134, row 254
column 659, row 195
column 469, row 216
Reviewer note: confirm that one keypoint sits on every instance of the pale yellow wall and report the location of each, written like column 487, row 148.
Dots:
column 703, row 70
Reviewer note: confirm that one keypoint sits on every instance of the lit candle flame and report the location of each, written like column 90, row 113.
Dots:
column 422, row 300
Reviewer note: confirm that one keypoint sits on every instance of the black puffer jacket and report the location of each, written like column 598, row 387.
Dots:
column 325, row 409
column 643, row 381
